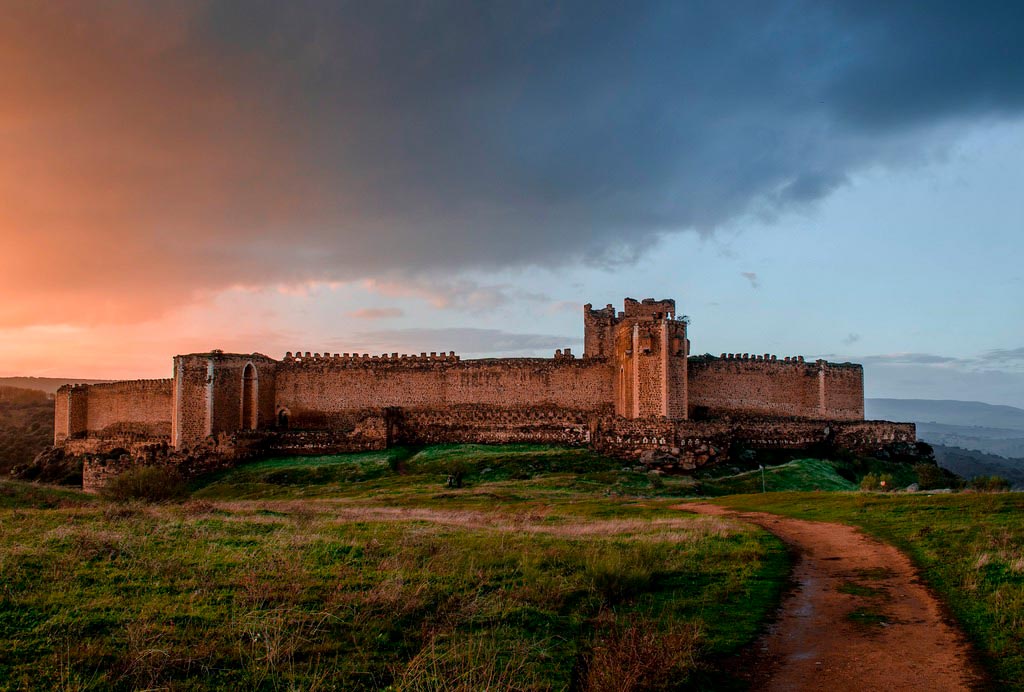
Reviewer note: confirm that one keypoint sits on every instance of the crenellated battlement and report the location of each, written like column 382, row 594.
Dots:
column 299, row 358
column 761, row 357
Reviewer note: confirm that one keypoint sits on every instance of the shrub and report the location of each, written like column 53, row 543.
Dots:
column 147, row 483
column 989, row 484
column 875, row 482
column 930, row 476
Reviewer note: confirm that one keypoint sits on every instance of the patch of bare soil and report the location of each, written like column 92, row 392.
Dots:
column 858, row 617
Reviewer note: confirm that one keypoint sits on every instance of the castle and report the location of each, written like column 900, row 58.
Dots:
column 636, row 393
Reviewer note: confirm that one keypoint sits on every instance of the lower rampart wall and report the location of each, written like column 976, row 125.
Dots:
column 659, row 443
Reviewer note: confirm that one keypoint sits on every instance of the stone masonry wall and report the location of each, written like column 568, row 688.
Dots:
column 683, row 445
column 764, row 385
column 314, row 391
column 844, row 391
column 60, row 416
column 495, row 425
column 142, row 406
column 136, row 407
column 210, row 391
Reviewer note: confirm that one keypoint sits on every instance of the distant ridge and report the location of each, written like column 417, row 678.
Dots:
column 45, row 384
column 946, row 411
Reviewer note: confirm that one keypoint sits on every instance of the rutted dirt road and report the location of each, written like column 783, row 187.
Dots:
column 858, row 618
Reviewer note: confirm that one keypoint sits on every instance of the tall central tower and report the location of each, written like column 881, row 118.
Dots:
column 648, row 348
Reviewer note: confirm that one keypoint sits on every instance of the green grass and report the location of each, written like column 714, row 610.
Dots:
column 550, row 569
column 801, row 474
column 969, row 547
column 19, row 495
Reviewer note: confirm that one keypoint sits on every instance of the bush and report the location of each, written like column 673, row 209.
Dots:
column 876, row 482
column 989, row 484
column 930, row 476
column 147, row 483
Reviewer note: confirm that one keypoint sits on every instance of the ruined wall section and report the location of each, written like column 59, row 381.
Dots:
column 686, row 445
column 71, row 412
column 598, row 331
column 763, row 385
column 140, row 408
column 60, row 416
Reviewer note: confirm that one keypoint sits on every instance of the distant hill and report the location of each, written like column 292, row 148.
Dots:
column 20, row 395
column 1002, row 441
column 968, row 425
column 968, row 463
column 50, row 385
column 947, row 411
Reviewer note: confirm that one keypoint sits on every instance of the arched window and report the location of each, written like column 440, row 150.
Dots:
column 282, row 419
column 250, row 398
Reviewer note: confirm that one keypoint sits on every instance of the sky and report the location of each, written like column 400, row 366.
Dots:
column 827, row 179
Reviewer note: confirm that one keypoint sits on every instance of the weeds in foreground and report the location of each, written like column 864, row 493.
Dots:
column 453, row 590
column 638, row 653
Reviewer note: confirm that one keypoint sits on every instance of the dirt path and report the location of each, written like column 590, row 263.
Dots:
column 858, row 618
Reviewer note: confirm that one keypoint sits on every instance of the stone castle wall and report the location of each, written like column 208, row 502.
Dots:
column 136, row 407
column 763, row 385
column 314, row 391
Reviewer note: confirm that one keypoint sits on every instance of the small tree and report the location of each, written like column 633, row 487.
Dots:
column 869, row 482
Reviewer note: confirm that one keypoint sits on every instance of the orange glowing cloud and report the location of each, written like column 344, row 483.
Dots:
column 132, row 168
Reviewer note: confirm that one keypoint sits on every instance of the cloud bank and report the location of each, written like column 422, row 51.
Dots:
column 154, row 154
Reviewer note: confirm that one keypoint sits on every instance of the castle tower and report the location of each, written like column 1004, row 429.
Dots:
column 220, row 392
column 649, row 348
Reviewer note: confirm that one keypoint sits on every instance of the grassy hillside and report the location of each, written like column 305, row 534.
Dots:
column 26, row 427
column 549, row 569
column 970, row 548
column 801, row 474
column 969, row 463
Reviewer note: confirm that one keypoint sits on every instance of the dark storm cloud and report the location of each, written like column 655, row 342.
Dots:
column 342, row 140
